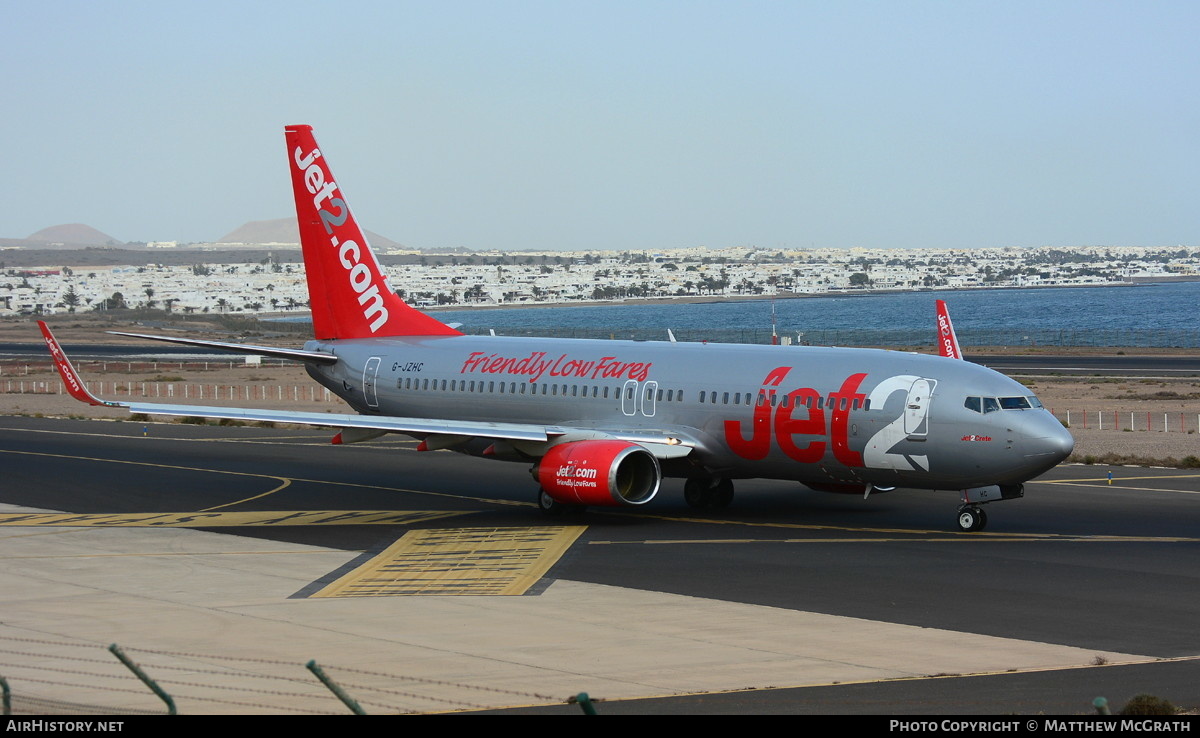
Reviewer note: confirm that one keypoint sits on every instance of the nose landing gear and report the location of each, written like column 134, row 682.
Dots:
column 971, row 518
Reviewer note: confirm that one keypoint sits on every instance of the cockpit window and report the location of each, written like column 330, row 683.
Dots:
column 992, row 404
column 1014, row 403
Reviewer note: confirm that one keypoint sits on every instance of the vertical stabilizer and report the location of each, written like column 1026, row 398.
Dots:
column 347, row 290
column 947, row 340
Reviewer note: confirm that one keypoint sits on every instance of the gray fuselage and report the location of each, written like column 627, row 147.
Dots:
column 822, row 416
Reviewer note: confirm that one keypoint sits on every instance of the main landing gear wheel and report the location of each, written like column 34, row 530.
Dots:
column 971, row 519
column 552, row 507
column 702, row 493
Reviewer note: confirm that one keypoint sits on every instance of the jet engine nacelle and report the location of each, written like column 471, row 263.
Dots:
column 599, row 472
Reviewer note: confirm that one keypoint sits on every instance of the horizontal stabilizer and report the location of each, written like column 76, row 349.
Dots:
column 312, row 357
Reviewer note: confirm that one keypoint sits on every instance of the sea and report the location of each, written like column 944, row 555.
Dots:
column 1163, row 314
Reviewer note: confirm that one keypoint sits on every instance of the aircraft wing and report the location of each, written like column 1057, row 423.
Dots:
column 508, row 431
column 662, row 444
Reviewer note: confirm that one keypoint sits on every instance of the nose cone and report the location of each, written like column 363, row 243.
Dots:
column 1048, row 442
column 1060, row 443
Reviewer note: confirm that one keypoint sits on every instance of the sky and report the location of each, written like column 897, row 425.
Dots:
column 651, row 124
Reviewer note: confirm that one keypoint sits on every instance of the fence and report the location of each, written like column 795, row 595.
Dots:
column 178, row 390
column 55, row 677
column 1131, row 420
column 17, row 368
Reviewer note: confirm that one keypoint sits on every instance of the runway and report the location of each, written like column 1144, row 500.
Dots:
column 233, row 542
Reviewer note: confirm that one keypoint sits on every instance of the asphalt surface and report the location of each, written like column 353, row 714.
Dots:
column 1079, row 563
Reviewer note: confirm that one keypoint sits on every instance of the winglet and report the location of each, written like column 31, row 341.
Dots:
column 70, row 377
column 947, row 340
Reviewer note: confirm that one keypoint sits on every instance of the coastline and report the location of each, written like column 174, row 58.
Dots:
column 716, row 299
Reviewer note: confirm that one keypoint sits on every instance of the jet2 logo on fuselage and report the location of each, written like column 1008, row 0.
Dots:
column 778, row 420
column 798, row 427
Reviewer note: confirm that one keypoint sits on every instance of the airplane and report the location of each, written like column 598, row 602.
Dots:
column 603, row 422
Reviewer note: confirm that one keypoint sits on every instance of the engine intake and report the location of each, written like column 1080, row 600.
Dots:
column 600, row 472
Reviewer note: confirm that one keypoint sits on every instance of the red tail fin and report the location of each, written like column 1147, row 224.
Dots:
column 947, row 341
column 347, row 290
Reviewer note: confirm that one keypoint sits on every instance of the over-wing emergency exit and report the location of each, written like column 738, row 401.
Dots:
column 602, row 423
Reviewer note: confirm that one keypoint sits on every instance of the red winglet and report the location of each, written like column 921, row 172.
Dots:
column 947, row 340
column 348, row 291
column 70, row 377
